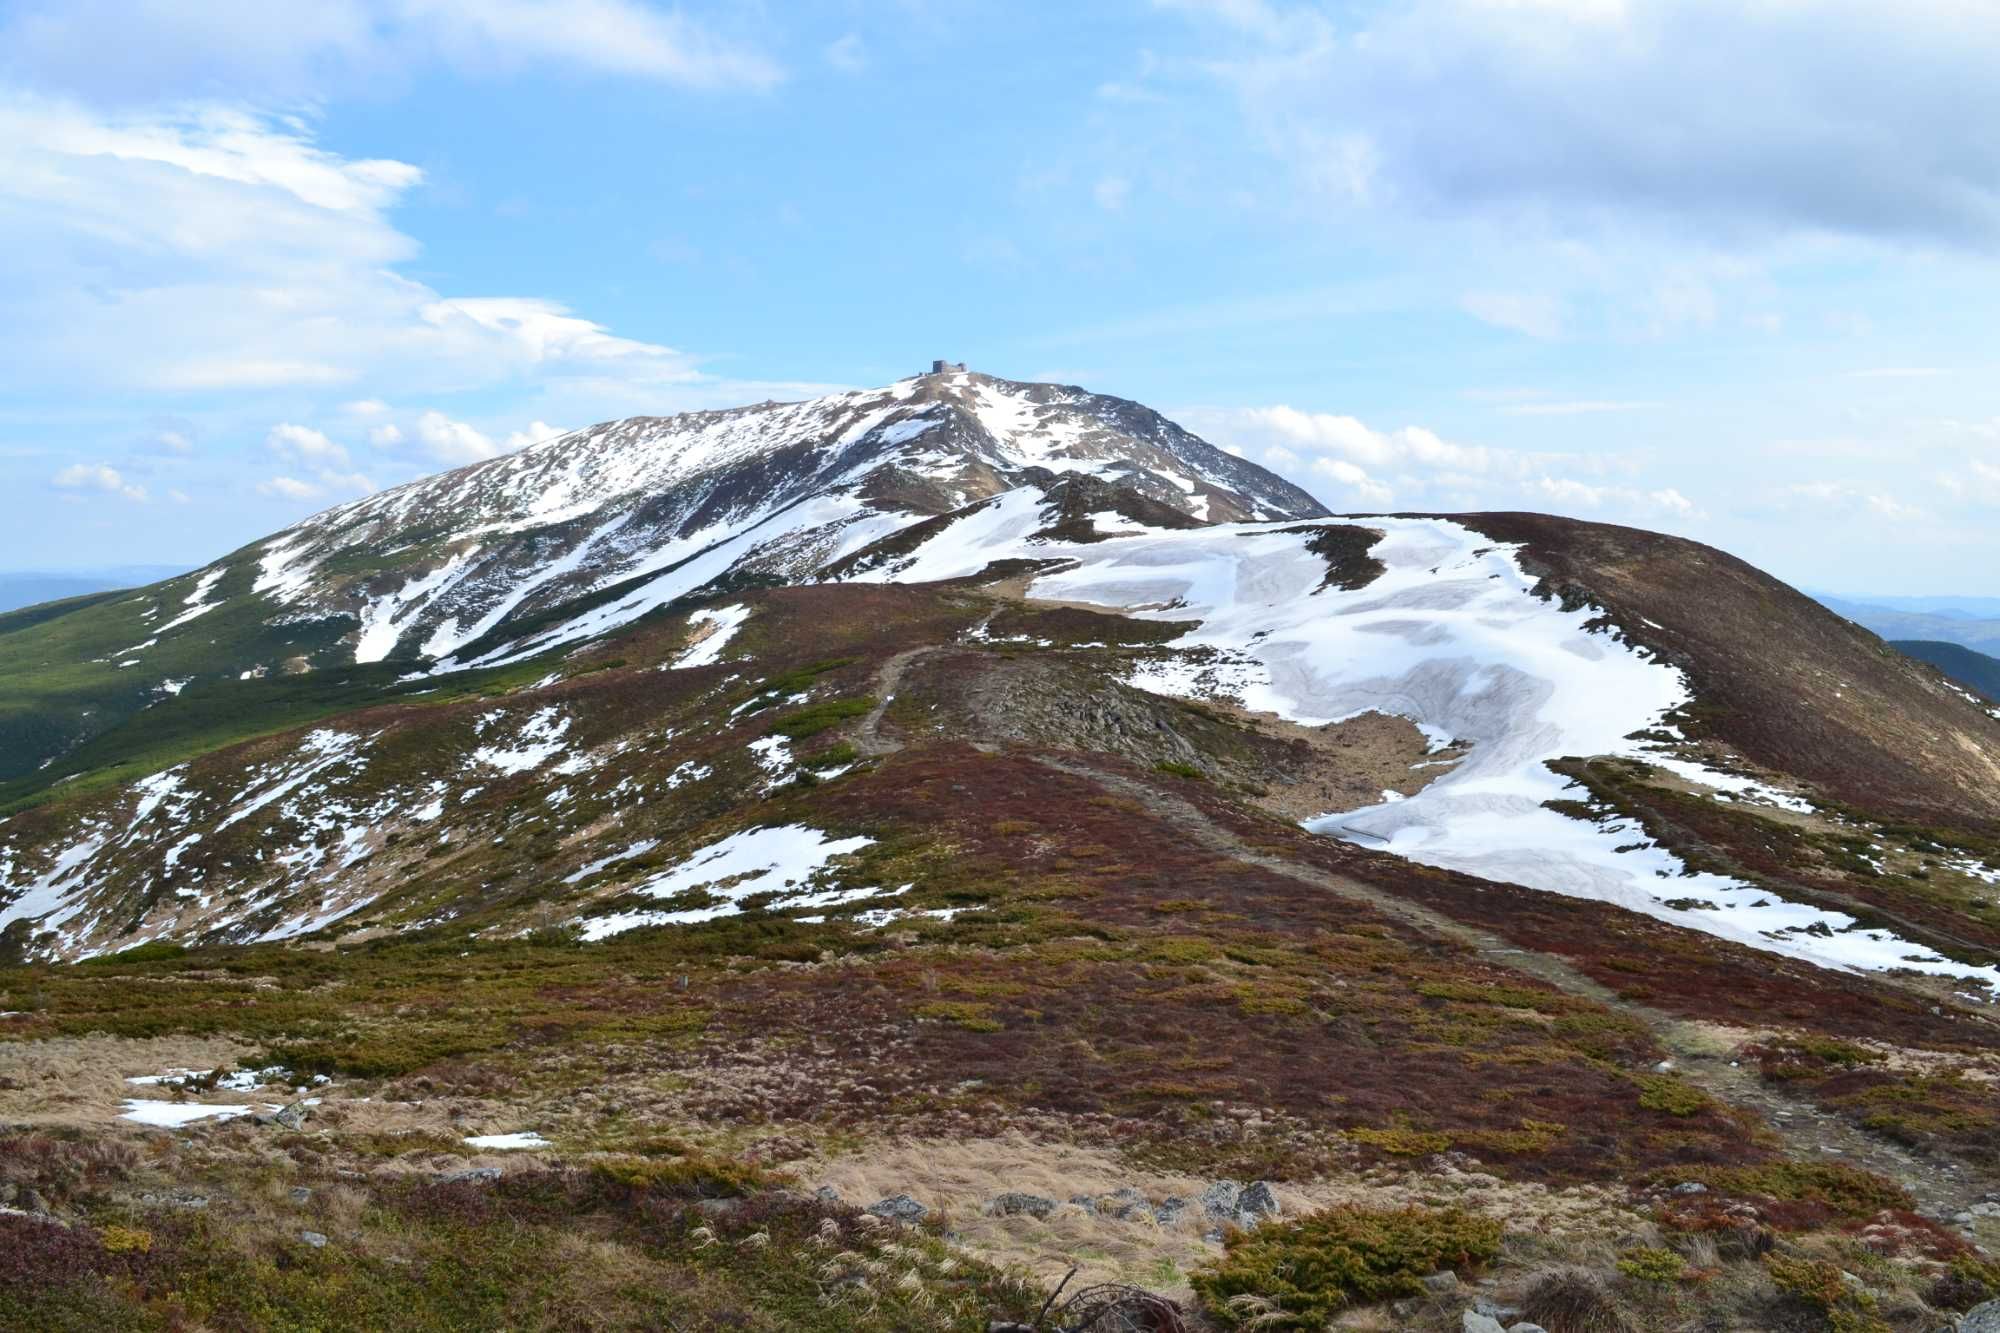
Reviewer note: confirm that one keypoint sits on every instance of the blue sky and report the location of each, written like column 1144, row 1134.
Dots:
column 1721, row 268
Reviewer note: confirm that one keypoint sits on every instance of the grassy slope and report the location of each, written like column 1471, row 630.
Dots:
column 1975, row 671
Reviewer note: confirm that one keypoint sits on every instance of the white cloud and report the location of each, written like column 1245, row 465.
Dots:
column 453, row 442
column 289, row 488
column 169, row 49
column 1848, row 498
column 1112, row 193
column 97, row 477
column 302, row 444
column 1574, row 408
column 1782, row 117
column 210, row 250
column 385, row 436
column 1535, row 314
column 533, row 433
column 848, row 54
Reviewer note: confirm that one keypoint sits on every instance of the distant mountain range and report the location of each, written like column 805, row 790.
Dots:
column 1970, row 622
column 19, row 588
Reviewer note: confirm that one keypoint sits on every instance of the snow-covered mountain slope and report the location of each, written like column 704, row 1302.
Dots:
column 586, row 532
column 1315, row 622
column 658, row 508
column 1453, row 636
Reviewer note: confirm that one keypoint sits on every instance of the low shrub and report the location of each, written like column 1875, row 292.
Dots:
column 1643, row 1263
column 1573, row 1300
column 1303, row 1272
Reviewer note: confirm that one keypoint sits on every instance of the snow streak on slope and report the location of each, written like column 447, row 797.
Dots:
column 1452, row 637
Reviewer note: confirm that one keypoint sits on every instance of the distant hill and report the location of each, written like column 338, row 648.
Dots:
column 1975, row 671
column 31, row 588
column 1956, row 624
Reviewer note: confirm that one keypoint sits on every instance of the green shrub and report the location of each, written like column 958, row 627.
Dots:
column 1664, row 1092
column 1181, row 770
column 1316, row 1266
column 1643, row 1263
column 815, row 718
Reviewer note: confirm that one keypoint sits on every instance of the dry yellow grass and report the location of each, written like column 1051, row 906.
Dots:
column 960, row 1176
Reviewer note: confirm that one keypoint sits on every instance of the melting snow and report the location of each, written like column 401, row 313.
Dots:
column 539, row 740
column 741, row 866
column 1452, row 637
column 726, row 621
column 526, row 1138
column 197, row 602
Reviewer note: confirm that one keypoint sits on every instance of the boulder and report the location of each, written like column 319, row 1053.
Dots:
column 1474, row 1322
column 1219, row 1199
column 899, row 1208
column 1257, row 1200
column 293, row 1117
column 1981, row 1319
column 1441, row 1283
column 1014, row 1203
column 1526, row 1328
column 1169, row 1209
column 299, row 1194
column 827, row 1194
column 314, row 1239
column 477, row 1175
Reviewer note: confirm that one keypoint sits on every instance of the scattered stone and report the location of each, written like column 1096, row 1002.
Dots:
column 1474, row 1322
column 1257, row 1200
column 899, row 1208
column 1087, row 1202
column 293, row 1117
column 1128, row 1204
column 1981, row 1319
column 478, row 1175
column 827, row 1194
column 1690, row 1187
column 1526, row 1328
column 1493, row 1309
column 301, row 1195
column 314, row 1239
column 1169, row 1208
column 1441, row 1283
column 1664, row 1067
column 1014, row 1203
column 1219, row 1199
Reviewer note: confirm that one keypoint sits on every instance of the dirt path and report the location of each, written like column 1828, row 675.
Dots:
column 1809, row 1133
column 868, row 738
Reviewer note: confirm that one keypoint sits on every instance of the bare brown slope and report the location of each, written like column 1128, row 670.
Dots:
column 1789, row 684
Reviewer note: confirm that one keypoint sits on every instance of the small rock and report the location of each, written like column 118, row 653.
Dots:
column 1219, row 1199
column 899, row 1208
column 1526, row 1328
column 1474, row 1322
column 1258, row 1200
column 1127, row 1204
column 1981, row 1319
column 1014, row 1203
column 301, row 1195
column 1169, row 1208
column 478, row 1175
column 1963, row 1219
column 1441, row 1283
column 827, row 1194
column 293, row 1117
column 1087, row 1202
column 314, row 1239
column 1690, row 1187
column 1664, row 1067
column 1493, row 1309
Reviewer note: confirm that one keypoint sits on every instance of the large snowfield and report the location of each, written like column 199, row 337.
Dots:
column 1453, row 638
